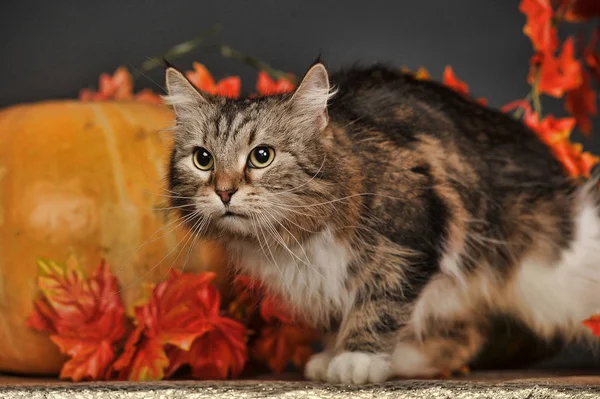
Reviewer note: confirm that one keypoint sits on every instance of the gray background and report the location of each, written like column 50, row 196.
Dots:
column 51, row 49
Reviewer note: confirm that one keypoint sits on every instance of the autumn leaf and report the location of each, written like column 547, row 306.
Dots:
column 539, row 26
column 449, row 79
column 591, row 56
column 248, row 294
column 273, row 309
column 580, row 10
column 556, row 75
column 282, row 340
column 203, row 80
column 219, row 354
column 520, row 103
column 85, row 317
column 581, row 103
column 182, row 309
column 266, row 86
column 549, row 130
column 422, row 74
column 281, row 343
column 119, row 86
column 593, row 323
column 555, row 133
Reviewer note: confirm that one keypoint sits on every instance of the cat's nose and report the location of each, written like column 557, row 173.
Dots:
column 226, row 195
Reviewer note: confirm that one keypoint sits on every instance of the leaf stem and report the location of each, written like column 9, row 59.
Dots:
column 230, row 52
column 537, row 103
column 177, row 51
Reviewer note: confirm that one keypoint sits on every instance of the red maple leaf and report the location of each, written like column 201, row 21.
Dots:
column 248, row 294
column 593, row 323
column 281, row 343
column 182, row 309
column 119, row 86
column 266, row 86
column 539, row 26
column 203, row 80
column 219, row 354
column 282, row 340
column 450, row 80
column 520, row 103
column 557, row 75
column 549, row 130
column 555, row 133
column 85, row 317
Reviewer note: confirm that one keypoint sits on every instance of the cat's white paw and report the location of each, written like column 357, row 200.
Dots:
column 316, row 368
column 359, row 368
column 409, row 362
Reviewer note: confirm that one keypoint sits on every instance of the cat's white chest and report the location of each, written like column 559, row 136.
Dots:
column 312, row 277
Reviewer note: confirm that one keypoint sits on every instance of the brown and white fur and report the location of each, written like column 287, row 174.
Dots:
column 396, row 215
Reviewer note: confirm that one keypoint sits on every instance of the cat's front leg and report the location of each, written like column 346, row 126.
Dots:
column 316, row 368
column 363, row 347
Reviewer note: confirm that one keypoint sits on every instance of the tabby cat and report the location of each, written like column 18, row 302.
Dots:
column 390, row 212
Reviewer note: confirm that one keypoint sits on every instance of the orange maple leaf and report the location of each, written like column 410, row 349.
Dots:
column 539, row 26
column 549, row 130
column 119, row 86
column 555, row 133
column 265, row 86
column 422, row 74
column 182, row 308
column 203, row 80
column 581, row 103
column 85, row 317
column 453, row 82
column 593, row 323
column 557, row 75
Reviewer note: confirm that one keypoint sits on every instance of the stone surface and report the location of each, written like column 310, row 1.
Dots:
column 506, row 384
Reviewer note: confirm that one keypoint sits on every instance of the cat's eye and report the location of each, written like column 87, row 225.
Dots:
column 203, row 159
column 261, row 157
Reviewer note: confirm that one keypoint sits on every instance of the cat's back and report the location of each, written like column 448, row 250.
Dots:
column 378, row 103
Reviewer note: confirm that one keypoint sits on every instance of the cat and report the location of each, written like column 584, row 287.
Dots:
column 391, row 212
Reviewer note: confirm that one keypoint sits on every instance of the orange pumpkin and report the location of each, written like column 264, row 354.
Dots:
column 83, row 179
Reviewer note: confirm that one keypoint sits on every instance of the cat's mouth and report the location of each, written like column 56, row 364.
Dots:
column 230, row 214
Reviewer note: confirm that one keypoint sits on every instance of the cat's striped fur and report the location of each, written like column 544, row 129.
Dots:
column 396, row 215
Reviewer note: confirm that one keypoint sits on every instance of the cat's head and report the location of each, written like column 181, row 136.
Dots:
column 252, row 167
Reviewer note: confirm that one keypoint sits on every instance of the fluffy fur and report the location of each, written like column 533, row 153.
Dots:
column 397, row 216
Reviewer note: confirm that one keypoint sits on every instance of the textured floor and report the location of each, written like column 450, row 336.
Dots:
column 530, row 385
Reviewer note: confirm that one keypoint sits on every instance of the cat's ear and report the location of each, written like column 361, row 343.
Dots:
column 311, row 96
column 181, row 94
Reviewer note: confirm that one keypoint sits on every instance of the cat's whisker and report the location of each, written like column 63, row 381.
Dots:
column 198, row 232
column 307, row 262
column 287, row 286
column 189, row 239
column 279, row 240
column 140, row 278
column 305, row 183
column 181, row 220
